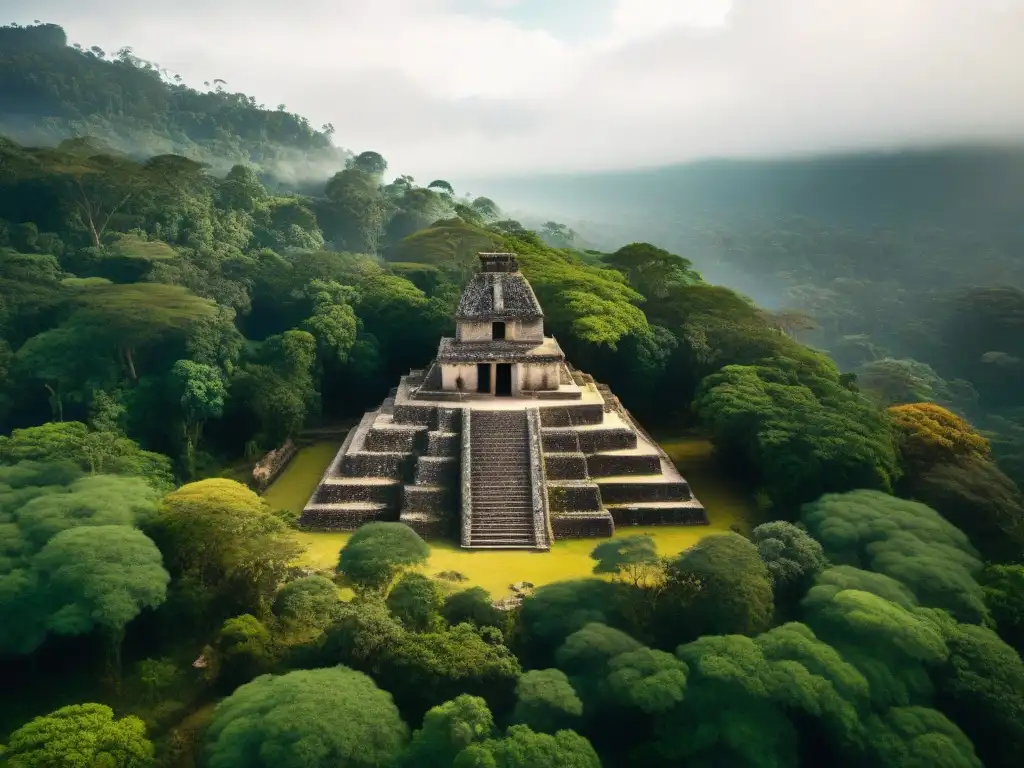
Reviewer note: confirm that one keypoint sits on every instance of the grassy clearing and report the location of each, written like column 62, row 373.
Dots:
column 727, row 504
column 296, row 484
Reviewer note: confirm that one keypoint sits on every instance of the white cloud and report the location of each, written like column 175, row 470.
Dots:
column 442, row 91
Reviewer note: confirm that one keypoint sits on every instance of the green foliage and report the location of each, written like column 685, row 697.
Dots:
column 242, row 650
column 96, row 451
column 333, row 322
column 648, row 680
column 792, row 556
column 632, row 558
column 311, row 601
column 917, row 736
column 474, row 606
column 1004, row 596
column 982, row 689
column 905, row 540
column 278, row 385
column 719, row 586
column 894, row 382
column 428, row 668
column 448, row 729
column 378, row 552
column 68, row 90
column 80, row 735
column 741, row 692
column 653, row 272
column 522, row 748
column 157, row 676
column 555, row 611
column 802, row 433
column 334, row 718
column 416, row 601
column 70, row 558
column 893, row 646
column 224, row 545
column 546, row 701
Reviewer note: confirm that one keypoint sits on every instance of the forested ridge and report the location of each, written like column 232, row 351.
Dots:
column 905, row 267
column 51, row 90
column 162, row 325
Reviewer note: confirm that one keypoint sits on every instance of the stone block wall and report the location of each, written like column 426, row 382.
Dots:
column 272, row 465
column 572, row 415
column 667, row 515
column 395, row 439
column 329, row 520
column 626, row 492
column 333, row 492
column 568, row 439
column 370, row 464
column 565, row 466
column 573, row 496
column 612, row 464
column 541, row 517
column 465, row 484
column 582, row 525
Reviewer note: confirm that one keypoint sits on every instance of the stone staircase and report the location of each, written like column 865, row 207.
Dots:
column 501, row 492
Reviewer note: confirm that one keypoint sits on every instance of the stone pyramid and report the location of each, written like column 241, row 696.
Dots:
column 500, row 443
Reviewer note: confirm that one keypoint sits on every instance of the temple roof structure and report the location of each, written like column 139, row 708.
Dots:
column 498, row 292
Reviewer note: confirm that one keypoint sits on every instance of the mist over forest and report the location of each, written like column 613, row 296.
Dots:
column 192, row 281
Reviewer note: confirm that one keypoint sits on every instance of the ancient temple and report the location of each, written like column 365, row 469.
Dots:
column 500, row 443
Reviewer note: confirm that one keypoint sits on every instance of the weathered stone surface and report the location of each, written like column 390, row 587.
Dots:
column 612, row 464
column 404, row 439
column 437, row 470
column 442, row 443
column 592, row 440
column 427, row 499
column 449, row 419
column 573, row 496
column 624, row 491
column 345, row 517
column 565, row 466
column 501, row 487
column 410, row 413
column 571, row 415
column 377, row 464
column 541, row 515
column 341, row 489
column 427, row 526
column 659, row 513
column 517, row 299
column 582, row 525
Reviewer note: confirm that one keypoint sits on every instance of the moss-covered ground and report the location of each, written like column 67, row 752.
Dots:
column 727, row 504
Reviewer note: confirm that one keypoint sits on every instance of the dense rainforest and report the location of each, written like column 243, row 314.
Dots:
column 905, row 267
column 164, row 323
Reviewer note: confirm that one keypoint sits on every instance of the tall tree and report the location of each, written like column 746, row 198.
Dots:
column 80, row 735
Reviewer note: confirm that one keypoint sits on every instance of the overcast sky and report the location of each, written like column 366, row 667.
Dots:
column 493, row 87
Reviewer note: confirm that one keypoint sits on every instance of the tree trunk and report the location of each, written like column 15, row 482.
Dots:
column 130, row 364
column 57, row 403
column 115, row 639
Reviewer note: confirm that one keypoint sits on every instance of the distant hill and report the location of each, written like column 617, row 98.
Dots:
column 50, row 91
column 977, row 185
column 765, row 226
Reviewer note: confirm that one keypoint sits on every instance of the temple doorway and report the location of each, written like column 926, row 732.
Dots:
column 503, row 379
column 483, row 378
column 497, row 330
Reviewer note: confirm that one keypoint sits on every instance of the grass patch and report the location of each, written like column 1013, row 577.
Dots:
column 296, row 484
column 726, row 502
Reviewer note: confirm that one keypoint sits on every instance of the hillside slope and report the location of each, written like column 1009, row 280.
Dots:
column 50, row 91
